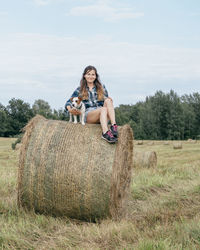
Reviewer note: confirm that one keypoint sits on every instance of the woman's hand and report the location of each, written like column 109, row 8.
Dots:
column 73, row 111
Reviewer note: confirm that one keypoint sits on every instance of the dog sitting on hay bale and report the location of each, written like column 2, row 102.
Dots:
column 66, row 169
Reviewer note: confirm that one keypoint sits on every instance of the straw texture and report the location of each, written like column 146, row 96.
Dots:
column 67, row 169
column 146, row 159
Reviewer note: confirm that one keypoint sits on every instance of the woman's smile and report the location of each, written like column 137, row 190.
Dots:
column 90, row 76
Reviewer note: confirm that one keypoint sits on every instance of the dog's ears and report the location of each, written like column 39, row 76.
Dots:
column 79, row 99
column 71, row 99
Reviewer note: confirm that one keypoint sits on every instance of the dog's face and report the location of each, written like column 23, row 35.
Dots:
column 76, row 102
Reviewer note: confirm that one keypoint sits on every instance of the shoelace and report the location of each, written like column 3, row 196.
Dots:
column 114, row 127
column 110, row 134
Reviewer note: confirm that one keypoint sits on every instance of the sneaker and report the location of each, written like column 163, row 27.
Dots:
column 108, row 136
column 113, row 129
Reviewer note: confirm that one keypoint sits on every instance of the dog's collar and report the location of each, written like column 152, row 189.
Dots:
column 79, row 106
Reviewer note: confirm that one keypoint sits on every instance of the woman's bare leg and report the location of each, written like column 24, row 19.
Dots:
column 108, row 103
column 104, row 119
column 99, row 115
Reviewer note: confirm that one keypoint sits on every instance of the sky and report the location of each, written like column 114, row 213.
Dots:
column 138, row 47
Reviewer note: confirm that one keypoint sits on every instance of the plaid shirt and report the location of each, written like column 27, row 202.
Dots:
column 92, row 98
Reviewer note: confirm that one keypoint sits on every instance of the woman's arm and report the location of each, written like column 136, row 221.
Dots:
column 105, row 91
column 68, row 103
column 73, row 111
column 106, row 94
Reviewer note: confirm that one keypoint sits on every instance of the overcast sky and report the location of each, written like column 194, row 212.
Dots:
column 137, row 46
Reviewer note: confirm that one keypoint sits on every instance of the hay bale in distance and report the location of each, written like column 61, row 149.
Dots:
column 144, row 159
column 18, row 146
column 177, row 145
column 67, row 169
column 166, row 143
column 151, row 143
column 192, row 141
column 140, row 143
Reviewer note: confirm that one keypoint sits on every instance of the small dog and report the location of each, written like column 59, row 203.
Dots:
column 80, row 106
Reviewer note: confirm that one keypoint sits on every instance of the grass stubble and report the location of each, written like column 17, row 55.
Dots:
column 163, row 212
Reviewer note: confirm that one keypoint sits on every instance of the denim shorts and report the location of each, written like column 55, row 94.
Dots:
column 89, row 110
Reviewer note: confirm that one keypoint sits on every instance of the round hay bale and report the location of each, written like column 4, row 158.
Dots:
column 144, row 159
column 67, row 169
column 151, row 143
column 166, row 143
column 18, row 146
column 140, row 143
column 177, row 145
column 192, row 141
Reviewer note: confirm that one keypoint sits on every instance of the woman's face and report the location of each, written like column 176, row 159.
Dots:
column 90, row 76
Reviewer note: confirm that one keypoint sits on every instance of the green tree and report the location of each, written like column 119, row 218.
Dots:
column 175, row 117
column 60, row 115
column 192, row 114
column 19, row 114
column 42, row 107
column 4, row 125
column 160, row 117
column 123, row 114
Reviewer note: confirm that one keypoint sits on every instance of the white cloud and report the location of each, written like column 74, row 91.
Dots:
column 46, row 2
column 41, row 53
column 3, row 13
column 41, row 2
column 100, row 8
column 39, row 66
column 103, row 10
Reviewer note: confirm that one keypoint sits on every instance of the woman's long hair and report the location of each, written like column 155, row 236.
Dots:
column 97, row 83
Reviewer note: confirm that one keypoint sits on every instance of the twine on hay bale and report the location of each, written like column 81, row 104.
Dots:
column 177, row 145
column 67, row 169
column 144, row 159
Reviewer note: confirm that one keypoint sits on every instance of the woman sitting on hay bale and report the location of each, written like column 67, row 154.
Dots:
column 99, row 107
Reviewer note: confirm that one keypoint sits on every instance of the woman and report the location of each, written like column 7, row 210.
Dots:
column 99, row 107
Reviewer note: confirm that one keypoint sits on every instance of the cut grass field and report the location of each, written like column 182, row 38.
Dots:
column 163, row 212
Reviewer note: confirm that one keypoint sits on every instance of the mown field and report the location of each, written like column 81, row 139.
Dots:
column 163, row 212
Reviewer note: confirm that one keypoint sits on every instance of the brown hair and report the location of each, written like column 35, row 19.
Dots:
column 97, row 83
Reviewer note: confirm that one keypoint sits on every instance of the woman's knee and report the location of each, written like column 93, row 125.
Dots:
column 108, row 101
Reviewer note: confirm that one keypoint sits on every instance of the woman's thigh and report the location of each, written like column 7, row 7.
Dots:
column 94, row 116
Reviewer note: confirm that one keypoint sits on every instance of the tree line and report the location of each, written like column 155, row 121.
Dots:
column 163, row 116
column 17, row 113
